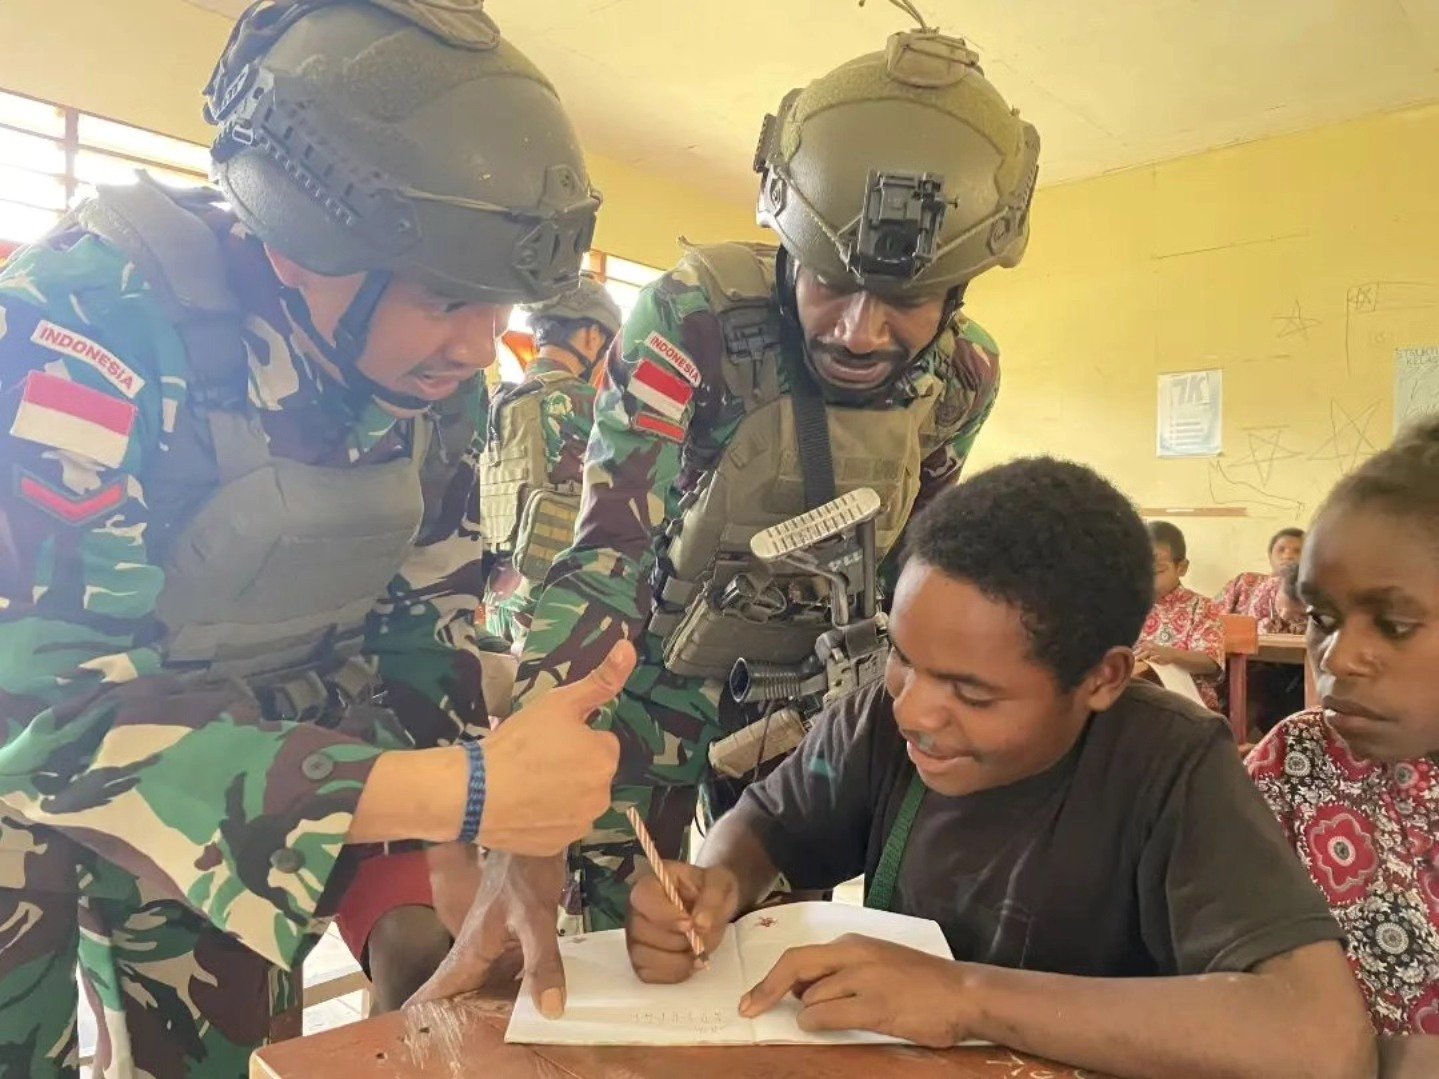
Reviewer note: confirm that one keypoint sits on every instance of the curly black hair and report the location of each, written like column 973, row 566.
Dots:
column 1284, row 533
column 1057, row 541
column 1166, row 535
column 1402, row 480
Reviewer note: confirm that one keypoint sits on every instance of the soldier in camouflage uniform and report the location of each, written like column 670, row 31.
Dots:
column 531, row 469
column 891, row 183
column 239, row 557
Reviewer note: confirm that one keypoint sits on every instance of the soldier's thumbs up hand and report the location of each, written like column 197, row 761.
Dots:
column 548, row 775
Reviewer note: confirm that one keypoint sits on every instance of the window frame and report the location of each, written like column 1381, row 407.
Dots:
column 72, row 145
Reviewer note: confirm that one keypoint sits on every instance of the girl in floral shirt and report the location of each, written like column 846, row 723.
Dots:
column 1183, row 627
column 1286, row 609
column 1356, row 784
column 1253, row 593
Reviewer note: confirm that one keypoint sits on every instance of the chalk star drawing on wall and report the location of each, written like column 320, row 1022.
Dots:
column 1294, row 323
column 1349, row 438
column 1266, row 448
column 1229, row 490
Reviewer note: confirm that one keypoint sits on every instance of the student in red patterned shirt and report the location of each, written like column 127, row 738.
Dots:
column 1356, row 784
column 1285, row 610
column 1183, row 627
column 1253, row 593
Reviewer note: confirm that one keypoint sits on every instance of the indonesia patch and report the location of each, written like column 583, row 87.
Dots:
column 71, row 508
column 77, row 347
column 68, row 416
column 647, row 421
column 673, row 355
column 662, row 390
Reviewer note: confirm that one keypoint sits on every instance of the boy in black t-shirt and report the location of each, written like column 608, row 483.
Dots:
column 1115, row 892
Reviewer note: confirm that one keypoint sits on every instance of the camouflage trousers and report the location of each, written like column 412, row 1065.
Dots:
column 665, row 725
column 603, row 867
column 173, row 996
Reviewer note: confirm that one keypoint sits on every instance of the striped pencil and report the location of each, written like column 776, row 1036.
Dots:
column 657, row 865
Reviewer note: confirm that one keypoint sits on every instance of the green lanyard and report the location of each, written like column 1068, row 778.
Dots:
column 886, row 876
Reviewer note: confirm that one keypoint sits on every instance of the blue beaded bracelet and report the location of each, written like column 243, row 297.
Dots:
column 475, row 796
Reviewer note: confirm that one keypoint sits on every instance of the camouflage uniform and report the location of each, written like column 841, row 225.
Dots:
column 645, row 455
column 567, row 412
column 177, row 837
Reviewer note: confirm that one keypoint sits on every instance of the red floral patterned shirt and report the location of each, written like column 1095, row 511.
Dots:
column 1265, row 609
column 1253, row 594
column 1186, row 620
column 1366, row 833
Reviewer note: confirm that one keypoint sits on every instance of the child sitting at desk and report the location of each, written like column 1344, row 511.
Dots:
column 1183, row 628
column 1077, row 837
column 1284, row 610
column 1248, row 593
column 1356, row 785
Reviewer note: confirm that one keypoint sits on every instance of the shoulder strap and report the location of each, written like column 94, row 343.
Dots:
column 739, row 280
column 880, row 895
column 734, row 274
column 519, row 391
column 811, row 428
column 550, row 378
column 180, row 258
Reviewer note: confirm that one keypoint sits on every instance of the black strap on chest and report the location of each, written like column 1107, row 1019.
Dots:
column 811, row 424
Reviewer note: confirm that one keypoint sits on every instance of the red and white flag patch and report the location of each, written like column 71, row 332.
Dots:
column 661, row 390
column 68, row 416
column 71, row 508
column 648, row 421
column 69, row 343
column 673, row 355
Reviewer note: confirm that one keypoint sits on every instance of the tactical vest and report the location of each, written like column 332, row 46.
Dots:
column 271, row 566
column 523, row 513
column 716, row 602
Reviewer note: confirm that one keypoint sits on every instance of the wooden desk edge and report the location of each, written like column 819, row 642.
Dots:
column 467, row 1036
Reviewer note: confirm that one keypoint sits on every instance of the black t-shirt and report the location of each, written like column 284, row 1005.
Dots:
column 1145, row 851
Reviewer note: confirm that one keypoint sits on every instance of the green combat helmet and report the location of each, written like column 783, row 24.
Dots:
column 400, row 137
column 903, row 171
column 553, row 321
column 589, row 301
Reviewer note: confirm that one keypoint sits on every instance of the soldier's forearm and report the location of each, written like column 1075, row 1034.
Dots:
column 733, row 843
column 413, row 794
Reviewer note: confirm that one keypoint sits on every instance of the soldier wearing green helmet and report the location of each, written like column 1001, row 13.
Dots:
column 535, row 449
column 751, row 384
column 240, row 562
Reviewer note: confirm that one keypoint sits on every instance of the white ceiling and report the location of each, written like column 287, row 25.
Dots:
column 681, row 85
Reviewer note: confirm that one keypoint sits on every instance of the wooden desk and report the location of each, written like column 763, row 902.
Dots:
column 1290, row 648
column 466, row 1037
column 1281, row 648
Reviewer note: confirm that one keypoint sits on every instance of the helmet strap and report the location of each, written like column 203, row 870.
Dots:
column 587, row 365
column 786, row 275
column 352, row 333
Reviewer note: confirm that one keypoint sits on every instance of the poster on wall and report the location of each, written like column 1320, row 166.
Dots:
column 1416, row 384
column 1191, row 414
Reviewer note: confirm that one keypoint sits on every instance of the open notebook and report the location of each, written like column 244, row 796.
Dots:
column 1174, row 679
column 608, row 1005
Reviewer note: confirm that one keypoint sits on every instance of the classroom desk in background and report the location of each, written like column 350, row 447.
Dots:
column 466, row 1037
column 1289, row 648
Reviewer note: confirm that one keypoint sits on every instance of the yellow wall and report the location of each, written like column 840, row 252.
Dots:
column 1297, row 265
column 1245, row 258
column 145, row 61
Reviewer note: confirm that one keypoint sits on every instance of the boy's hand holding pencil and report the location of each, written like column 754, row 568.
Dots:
column 678, row 915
